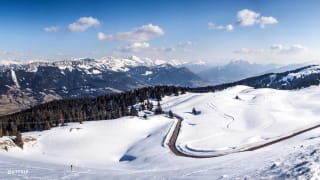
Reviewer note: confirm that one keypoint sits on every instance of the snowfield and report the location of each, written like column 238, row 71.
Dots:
column 241, row 116
column 94, row 144
column 134, row 148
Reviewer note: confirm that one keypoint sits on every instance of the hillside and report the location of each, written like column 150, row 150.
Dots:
column 132, row 147
column 289, row 80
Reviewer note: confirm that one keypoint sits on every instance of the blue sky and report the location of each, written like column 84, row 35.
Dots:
column 214, row 31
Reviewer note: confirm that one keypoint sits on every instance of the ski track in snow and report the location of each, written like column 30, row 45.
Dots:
column 227, row 116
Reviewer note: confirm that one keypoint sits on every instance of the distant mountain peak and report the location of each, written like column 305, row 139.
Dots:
column 233, row 71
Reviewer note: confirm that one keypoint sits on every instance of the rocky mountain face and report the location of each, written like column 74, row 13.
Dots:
column 26, row 85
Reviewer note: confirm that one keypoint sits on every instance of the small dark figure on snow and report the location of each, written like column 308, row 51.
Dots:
column 171, row 114
column 194, row 111
column 71, row 167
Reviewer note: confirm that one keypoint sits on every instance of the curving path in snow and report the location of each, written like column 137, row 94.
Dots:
column 258, row 118
column 249, row 147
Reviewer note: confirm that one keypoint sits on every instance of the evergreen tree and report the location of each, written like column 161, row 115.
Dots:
column 13, row 129
column 1, row 133
column 28, row 127
column 183, row 91
column 158, row 109
column 61, row 122
column 149, row 105
column 143, row 107
column 18, row 140
column 47, row 125
column 133, row 111
column 61, row 119
column 170, row 114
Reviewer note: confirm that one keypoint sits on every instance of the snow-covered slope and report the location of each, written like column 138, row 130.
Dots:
column 241, row 116
column 95, row 143
column 134, row 148
column 303, row 73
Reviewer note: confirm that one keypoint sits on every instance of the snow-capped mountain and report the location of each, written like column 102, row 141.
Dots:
column 196, row 66
column 37, row 82
column 103, row 63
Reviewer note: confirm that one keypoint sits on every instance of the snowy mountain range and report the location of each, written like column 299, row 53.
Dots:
column 24, row 85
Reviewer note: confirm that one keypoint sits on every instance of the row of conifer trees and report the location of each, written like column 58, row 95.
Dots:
column 59, row 112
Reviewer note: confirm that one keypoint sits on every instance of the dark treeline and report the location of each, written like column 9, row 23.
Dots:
column 59, row 112
column 113, row 106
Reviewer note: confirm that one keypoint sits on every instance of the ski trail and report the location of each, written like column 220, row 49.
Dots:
column 225, row 115
column 248, row 147
column 180, row 102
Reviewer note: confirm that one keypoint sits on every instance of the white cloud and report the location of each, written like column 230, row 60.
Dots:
column 101, row 36
column 51, row 29
column 249, row 51
column 83, row 24
column 144, row 47
column 5, row 53
column 60, row 54
column 185, row 44
column 276, row 47
column 10, row 53
column 213, row 26
column 135, row 47
column 165, row 49
column 140, row 34
column 267, row 20
column 248, row 17
column 229, row 27
column 292, row 49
